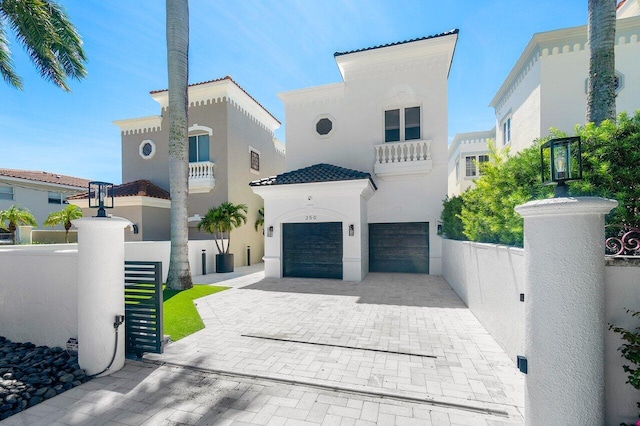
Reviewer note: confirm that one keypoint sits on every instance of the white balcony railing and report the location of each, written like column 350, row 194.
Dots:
column 398, row 160
column 201, row 177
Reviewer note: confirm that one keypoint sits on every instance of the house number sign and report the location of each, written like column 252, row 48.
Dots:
column 312, row 217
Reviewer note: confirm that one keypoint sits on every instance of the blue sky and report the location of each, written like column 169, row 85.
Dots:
column 266, row 47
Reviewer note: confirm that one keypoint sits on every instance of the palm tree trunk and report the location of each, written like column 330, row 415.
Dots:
column 601, row 95
column 179, row 275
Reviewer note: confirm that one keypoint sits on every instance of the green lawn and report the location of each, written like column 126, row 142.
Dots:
column 180, row 314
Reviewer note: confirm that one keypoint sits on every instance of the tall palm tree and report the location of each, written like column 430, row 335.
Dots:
column 601, row 93
column 179, row 275
column 221, row 220
column 64, row 216
column 51, row 41
column 15, row 216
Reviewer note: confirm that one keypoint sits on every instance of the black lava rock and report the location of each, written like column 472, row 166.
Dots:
column 29, row 374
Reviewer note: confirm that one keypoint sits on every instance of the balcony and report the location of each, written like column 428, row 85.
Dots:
column 403, row 160
column 201, row 178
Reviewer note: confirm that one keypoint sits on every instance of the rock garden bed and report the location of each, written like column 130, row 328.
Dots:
column 30, row 374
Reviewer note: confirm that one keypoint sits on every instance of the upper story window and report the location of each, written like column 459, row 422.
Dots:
column 402, row 124
column 457, row 170
column 198, row 148
column 6, row 192
column 57, row 198
column 255, row 160
column 506, row 131
column 473, row 165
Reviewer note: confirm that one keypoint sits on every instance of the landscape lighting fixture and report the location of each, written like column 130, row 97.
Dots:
column 100, row 197
column 561, row 162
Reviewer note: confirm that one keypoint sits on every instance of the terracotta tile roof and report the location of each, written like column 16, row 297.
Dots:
column 446, row 33
column 138, row 188
column 46, row 177
column 316, row 173
column 221, row 79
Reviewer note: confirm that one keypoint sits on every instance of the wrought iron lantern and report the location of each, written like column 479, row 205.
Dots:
column 101, row 197
column 561, row 162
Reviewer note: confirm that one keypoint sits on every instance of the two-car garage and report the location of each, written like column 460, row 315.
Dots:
column 315, row 250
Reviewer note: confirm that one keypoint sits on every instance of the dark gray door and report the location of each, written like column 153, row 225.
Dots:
column 312, row 250
column 399, row 247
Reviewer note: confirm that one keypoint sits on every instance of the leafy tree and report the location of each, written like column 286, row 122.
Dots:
column 452, row 226
column 179, row 275
column 222, row 220
column 64, row 216
column 51, row 41
column 601, row 28
column 260, row 219
column 15, row 216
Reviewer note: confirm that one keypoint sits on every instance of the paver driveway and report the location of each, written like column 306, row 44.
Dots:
column 393, row 350
column 399, row 335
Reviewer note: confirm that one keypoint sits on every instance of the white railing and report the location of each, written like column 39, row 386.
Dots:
column 201, row 177
column 400, row 152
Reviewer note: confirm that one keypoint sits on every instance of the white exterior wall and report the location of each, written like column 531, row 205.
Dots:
column 489, row 278
column 406, row 75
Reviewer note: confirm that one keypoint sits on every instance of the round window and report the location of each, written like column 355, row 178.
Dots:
column 147, row 149
column 324, row 126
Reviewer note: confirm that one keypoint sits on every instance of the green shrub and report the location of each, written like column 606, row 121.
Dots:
column 630, row 350
column 452, row 226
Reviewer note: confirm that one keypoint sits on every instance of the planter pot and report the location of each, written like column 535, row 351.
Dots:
column 224, row 262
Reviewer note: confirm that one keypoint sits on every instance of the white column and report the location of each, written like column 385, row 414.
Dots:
column 565, row 310
column 100, row 292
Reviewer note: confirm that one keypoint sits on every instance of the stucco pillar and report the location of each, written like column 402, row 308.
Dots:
column 100, row 292
column 565, row 310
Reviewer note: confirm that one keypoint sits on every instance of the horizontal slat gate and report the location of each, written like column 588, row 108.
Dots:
column 143, row 307
column 399, row 247
column 312, row 250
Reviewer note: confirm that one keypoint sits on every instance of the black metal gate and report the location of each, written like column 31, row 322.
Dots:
column 143, row 307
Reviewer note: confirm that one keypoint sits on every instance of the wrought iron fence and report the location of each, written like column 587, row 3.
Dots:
column 622, row 241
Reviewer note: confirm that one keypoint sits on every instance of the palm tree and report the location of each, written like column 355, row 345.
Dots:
column 64, row 216
column 51, row 41
column 179, row 275
column 260, row 219
column 601, row 93
column 16, row 216
column 222, row 220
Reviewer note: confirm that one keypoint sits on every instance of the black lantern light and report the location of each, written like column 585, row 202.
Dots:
column 561, row 162
column 101, row 197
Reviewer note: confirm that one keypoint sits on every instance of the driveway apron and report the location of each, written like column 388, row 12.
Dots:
column 401, row 337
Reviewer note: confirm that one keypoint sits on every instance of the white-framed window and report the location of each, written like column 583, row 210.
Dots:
column 56, row 198
column 147, row 149
column 506, row 131
column 473, row 164
column 198, row 148
column 402, row 124
column 6, row 192
column 457, row 170
column 254, row 160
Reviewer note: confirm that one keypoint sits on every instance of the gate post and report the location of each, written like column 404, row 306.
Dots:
column 565, row 310
column 100, row 292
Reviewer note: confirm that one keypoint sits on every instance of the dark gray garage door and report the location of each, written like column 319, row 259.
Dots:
column 399, row 247
column 312, row 250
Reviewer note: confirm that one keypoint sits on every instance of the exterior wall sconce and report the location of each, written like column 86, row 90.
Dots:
column 561, row 162
column 439, row 227
column 270, row 231
column 101, row 197
column 351, row 230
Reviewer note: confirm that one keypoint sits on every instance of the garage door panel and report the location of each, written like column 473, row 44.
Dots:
column 312, row 250
column 399, row 247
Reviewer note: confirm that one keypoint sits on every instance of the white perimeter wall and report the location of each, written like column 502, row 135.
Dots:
column 489, row 279
column 39, row 286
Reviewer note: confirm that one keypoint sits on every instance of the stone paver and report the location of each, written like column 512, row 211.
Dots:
column 449, row 370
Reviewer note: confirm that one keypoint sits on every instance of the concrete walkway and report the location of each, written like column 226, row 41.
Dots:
column 395, row 349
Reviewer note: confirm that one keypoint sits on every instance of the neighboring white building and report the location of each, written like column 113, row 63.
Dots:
column 547, row 86
column 367, row 166
column 466, row 153
column 40, row 192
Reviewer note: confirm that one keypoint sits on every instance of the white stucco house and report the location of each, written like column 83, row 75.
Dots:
column 366, row 166
column 466, row 153
column 547, row 87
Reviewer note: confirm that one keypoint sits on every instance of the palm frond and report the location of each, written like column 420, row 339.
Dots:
column 6, row 64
